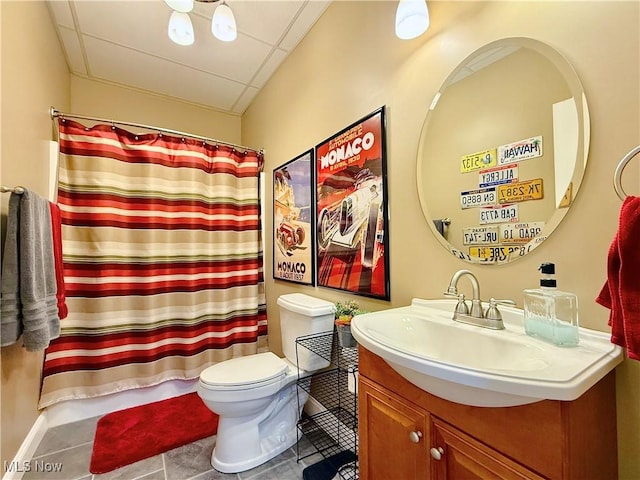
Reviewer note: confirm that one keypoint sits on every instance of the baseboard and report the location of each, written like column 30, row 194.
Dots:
column 74, row 410
column 313, row 407
column 16, row 469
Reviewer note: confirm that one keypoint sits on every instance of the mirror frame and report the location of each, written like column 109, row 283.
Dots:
column 582, row 148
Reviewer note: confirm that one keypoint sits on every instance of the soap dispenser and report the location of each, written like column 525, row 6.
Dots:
column 550, row 314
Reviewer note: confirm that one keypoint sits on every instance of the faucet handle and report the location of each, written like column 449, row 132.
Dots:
column 493, row 302
column 492, row 312
column 461, row 307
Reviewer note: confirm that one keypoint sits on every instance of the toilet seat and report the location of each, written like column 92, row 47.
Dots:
column 245, row 373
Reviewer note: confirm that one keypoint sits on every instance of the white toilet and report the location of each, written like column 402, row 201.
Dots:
column 255, row 396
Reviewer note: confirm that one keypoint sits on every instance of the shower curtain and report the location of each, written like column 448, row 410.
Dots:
column 162, row 256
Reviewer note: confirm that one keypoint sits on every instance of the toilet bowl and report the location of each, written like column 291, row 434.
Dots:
column 256, row 396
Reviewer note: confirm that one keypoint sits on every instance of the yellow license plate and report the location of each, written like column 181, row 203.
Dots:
column 494, row 254
column 521, row 191
column 478, row 161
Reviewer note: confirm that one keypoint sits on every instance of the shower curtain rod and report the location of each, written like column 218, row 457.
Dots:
column 56, row 113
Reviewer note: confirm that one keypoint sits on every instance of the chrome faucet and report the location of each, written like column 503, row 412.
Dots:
column 492, row 318
column 452, row 291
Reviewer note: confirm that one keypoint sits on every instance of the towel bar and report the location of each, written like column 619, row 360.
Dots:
column 617, row 177
column 4, row 189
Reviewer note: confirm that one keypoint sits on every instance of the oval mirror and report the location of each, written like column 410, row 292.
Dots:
column 503, row 151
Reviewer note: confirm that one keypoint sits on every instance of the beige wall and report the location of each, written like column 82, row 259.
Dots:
column 351, row 63
column 34, row 77
column 108, row 101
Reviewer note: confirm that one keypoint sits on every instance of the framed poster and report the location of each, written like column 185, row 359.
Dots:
column 351, row 209
column 293, row 220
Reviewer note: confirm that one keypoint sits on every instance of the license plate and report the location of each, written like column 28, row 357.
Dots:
column 478, row 161
column 478, row 198
column 521, row 191
column 480, row 235
column 493, row 254
column 521, row 150
column 498, row 176
column 520, row 232
column 499, row 214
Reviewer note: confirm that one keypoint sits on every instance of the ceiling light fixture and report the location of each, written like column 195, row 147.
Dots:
column 412, row 19
column 180, row 28
column 223, row 23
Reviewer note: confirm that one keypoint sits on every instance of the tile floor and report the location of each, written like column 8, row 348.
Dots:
column 69, row 447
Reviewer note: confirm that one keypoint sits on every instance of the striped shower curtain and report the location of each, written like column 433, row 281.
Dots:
column 163, row 260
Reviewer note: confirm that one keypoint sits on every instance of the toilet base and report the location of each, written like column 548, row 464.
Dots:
column 242, row 445
column 249, row 463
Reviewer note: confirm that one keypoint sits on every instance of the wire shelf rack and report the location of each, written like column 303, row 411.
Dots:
column 334, row 429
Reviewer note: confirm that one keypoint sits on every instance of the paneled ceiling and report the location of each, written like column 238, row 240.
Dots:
column 125, row 43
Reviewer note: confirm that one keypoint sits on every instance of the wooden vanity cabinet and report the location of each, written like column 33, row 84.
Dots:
column 394, row 435
column 406, row 433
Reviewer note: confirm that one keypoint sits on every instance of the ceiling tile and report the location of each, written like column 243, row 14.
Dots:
column 270, row 66
column 73, row 50
column 126, row 23
column 237, row 60
column 126, row 42
column 245, row 99
column 307, row 18
column 128, row 67
column 265, row 20
column 62, row 13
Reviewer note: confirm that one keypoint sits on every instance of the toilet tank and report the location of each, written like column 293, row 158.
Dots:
column 300, row 315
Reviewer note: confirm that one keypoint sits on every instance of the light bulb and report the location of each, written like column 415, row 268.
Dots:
column 184, row 6
column 223, row 24
column 180, row 29
column 412, row 19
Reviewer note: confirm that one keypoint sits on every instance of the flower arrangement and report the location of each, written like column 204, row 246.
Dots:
column 346, row 311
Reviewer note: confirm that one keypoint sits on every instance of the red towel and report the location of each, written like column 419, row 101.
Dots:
column 56, row 231
column 621, row 291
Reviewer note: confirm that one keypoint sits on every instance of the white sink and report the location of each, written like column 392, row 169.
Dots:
column 481, row 367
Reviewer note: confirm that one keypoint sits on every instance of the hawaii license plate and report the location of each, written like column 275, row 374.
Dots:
column 499, row 214
column 521, row 191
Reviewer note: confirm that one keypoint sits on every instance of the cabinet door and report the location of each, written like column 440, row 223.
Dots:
column 457, row 456
column 393, row 435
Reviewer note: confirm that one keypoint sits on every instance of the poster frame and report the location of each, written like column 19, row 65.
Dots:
column 307, row 258
column 369, row 282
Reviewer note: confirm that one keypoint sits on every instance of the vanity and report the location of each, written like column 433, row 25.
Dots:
column 407, row 433
column 443, row 399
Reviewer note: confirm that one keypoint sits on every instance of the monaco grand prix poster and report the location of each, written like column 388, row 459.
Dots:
column 293, row 242
column 351, row 209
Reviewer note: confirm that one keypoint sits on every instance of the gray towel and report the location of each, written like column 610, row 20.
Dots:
column 37, row 273
column 10, row 304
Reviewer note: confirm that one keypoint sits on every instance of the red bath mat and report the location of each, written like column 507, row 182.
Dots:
column 133, row 434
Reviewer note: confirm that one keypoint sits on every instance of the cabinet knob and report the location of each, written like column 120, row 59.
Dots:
column 415, row 436
column 436, row 453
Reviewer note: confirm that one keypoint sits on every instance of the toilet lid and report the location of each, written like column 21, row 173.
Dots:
column 252, row 369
